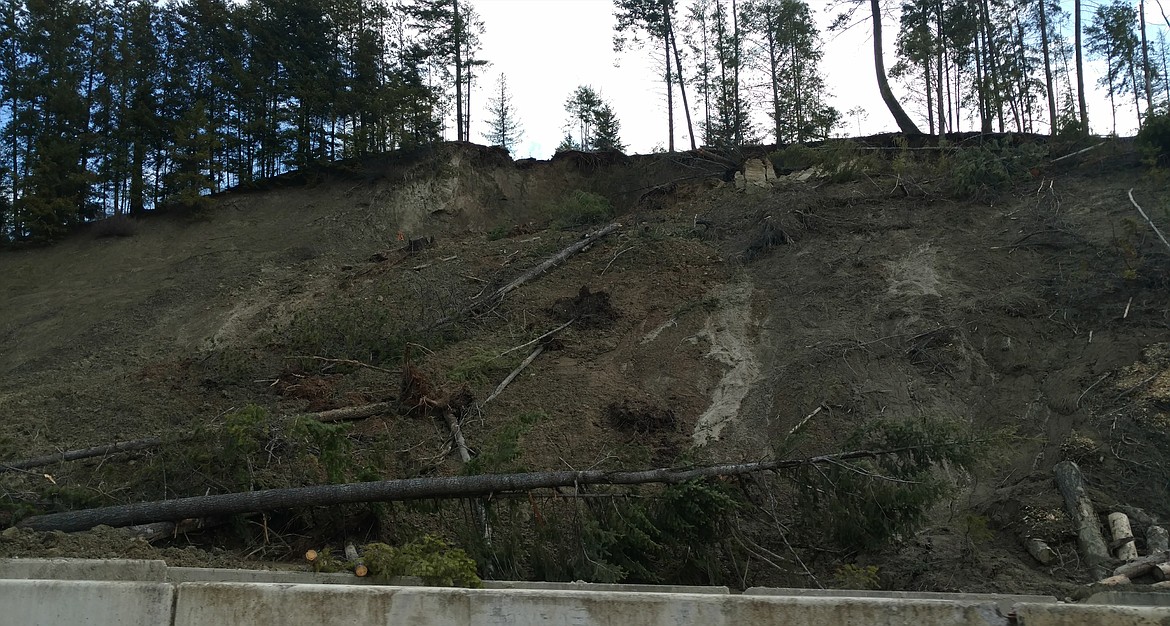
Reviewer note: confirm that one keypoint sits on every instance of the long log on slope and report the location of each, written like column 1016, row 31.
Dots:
column 410, row 489
column 549, row 263
column 77, row 455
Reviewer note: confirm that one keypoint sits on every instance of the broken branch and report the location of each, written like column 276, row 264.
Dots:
column 516, row 372
column 1148, row 221
column 85, row 453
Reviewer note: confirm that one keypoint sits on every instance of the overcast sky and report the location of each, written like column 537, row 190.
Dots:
column 549, row 47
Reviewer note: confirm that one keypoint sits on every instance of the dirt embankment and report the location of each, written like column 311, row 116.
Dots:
column 1043, row 313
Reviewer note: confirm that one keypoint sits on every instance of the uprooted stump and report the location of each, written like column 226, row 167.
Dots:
column 588, row 308
column 768, row 235
column 640, row 417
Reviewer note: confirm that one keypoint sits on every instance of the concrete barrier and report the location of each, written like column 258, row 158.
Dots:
column 297, row 605
column 83, row 569
column 76, row 603
column 1091, row 615
column 294, row 598
column 584, row 586
column 226, row 575
column 1005, row 602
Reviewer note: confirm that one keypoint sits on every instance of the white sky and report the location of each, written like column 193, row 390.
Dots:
column 549, row 47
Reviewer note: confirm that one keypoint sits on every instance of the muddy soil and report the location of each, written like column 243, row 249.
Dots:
column 707, row 327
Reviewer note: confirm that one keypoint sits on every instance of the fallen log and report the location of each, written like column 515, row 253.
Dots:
column 1133, row 569
column 84, row 453
column 457, row 435
column 1157, row 539
column 1080, row 509
column 352, row 556
column 1122, row 537
column 414, row 489
column 353, row 412
column 549, row 263
column 1161, row 572
column 1040, row 550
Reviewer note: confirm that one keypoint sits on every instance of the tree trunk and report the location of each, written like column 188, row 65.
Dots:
column 905, row 124
column 1047, row 68
column 669, row 85
column 1122, row 535
column 682, row 83
column 738, row 51
column 353, row 412
column 409, row 489
column 1084, row 517
column 458, row 73
column 1146, row 61
column 939, row 77
column 1084, row 111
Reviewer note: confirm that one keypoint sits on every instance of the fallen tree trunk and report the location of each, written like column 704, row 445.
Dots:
column 411, row 489
column 85, row 453
column 549, row 263
column 1122, row 534
column 1080, row 509
column 353, row 412
column 1133, row 569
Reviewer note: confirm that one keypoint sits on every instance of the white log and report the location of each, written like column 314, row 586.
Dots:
column 1162, row 585
column 1040, row 551
column 1114, row 580
column 1126, row 550
column 1157, row 539
column 1080, row 509
column 1142, row 565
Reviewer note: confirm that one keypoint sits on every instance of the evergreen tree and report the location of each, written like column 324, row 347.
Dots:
column 607, row 129
column 789, row 50
column 1111, row 37
column 597, row 125
column 503, row 127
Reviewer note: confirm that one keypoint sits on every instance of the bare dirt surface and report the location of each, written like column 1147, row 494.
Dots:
column 1044, row 313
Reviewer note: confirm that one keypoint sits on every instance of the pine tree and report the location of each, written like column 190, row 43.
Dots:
column 1111, row 37
column 606, row 130
column 503, row 127
column 788, row 53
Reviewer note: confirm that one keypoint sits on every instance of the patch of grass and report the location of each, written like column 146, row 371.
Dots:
column 581, row 208
column 481, row 368
column 499, row 232
column 362, row 330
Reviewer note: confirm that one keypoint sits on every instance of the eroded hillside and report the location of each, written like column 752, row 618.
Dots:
column 712, row 322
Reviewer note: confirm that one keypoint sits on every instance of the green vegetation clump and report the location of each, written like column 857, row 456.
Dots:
column 430, row 558
column 581, row 208
column 1153, row 138
column 985, row 170
column 850, row 576
column 862, row 504
column 498, row 454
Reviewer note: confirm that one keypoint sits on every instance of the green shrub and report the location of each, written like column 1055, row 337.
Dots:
column 985, row 170
column 794, row 157
column 850, row 576
column 498, row 453
column 1153, row 139
column 581, row 208
column 864, row 503
column 429, row 558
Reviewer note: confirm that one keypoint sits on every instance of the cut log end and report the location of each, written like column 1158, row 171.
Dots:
column 361, row 571
column 311, row 556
